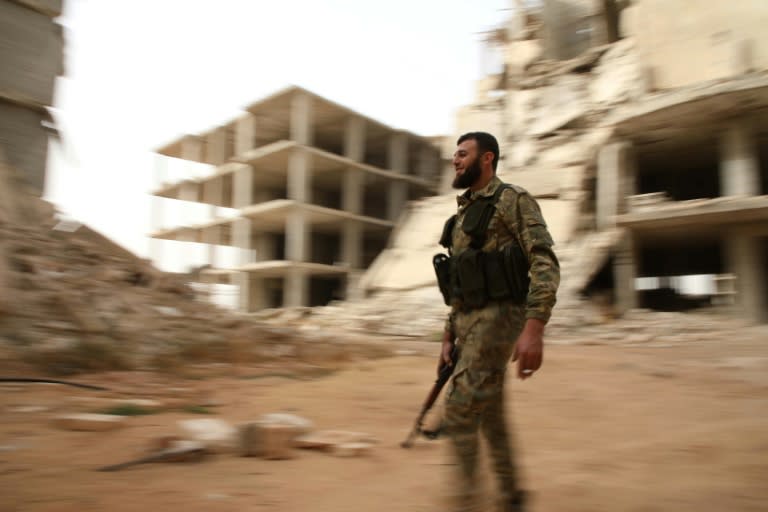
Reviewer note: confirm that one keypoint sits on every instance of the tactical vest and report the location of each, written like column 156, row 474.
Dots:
column 473, row 277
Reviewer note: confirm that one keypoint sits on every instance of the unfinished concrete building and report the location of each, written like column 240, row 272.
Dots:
column 313, row 190
column 31, row 57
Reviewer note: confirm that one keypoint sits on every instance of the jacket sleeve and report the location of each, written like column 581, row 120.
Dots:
column 543, row 268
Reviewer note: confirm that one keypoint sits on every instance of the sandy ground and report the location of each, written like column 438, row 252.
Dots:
column 623, row 428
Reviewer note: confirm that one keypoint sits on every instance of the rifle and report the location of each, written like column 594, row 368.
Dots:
column 442, row 377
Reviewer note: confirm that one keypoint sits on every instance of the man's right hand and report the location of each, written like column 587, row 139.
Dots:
column 445, row 352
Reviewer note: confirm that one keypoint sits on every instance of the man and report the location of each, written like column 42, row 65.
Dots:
column 504, row 320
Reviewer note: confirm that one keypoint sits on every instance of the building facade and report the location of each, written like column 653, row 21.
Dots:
column 313, row 191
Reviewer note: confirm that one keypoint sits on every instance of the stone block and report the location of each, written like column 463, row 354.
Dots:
column 89, row 422
column 31, row 50
column 521, row 54
column 217, row 435
column 271, row 441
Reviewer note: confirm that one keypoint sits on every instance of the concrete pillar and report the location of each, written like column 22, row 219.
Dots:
column 241, row 238
column 354, row 138
column 616, row 178
column 245, row 134
column 213, row 196
column 428, row 162
column 297, row 236
column 397, row 153
column 747, row 261
column 296, row 290
column 352, row 244
column 216, row 146
column 625, row 273
column 352, row 191
column 302, row 119
column 299, row 176
column 739, row 161
column 212, row 239
column 242, row 187
column 396, row 199
column 264, row 244
column 192, row 148
column 243, row 282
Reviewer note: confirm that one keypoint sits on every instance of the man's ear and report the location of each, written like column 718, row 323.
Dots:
column 488, row 158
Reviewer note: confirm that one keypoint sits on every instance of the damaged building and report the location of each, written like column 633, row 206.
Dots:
column 642, row 129
column 305, row 189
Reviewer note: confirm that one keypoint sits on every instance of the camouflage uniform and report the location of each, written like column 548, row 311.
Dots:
column 475, row 399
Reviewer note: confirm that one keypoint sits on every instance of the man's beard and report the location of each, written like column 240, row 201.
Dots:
column 468, row 178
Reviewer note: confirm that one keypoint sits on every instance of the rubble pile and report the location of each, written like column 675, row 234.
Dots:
column 71, row 300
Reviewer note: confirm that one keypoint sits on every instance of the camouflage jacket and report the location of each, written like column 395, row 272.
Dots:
column 517, row 217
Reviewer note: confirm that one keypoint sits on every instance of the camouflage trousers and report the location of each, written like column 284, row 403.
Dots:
column 475, row 399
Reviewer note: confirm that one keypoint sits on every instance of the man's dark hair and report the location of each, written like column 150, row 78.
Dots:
column 485, row 142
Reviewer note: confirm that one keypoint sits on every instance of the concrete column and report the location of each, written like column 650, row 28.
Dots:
column 242, row 187
column 241, row 238
column 396, row 199
column 296, row 290
column 264, row 243
column 299, row 176
column 243, row 282
column 216, row 146
column 188, row 191
column 427, row 162
column 213, row 195
column 352, row 244
column 302, row 119
column 625, row 273
column 616, row 178
column 245, row 134
column 297, row 236
column 192, row 148
column 354, row 138
column 739, row 161
column 747, row 262
column 397, row 154
column 212, row 239
column 352, row 191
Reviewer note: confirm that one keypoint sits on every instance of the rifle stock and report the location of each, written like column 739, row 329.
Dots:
column 442, row 378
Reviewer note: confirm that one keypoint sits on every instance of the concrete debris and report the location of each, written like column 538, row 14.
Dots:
column 89, row 422
column 216, row 435
column 352, row 449
column 272, row 441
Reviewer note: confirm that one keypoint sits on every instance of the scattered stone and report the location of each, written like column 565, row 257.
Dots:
column 271, row 441
column 215, row 434
column 89, row 422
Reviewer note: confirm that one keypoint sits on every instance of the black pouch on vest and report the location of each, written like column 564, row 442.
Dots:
column 495, row 276
column 471, row 278
column 446, row 239
column 476, row 221
column 442, row 264
column 516, row 272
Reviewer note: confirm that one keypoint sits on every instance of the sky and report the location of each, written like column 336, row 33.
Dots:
column 142, row 73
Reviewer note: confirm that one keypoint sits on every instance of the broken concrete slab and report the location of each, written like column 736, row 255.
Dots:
column 352, row 449
column 269, row 441
column 217, row 435
column 89, row 422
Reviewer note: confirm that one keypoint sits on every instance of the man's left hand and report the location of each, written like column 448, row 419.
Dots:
column 529, row 348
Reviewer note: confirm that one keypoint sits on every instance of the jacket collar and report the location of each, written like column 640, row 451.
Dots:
column 469, row 196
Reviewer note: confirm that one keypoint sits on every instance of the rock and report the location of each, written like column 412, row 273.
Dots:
column 217, row 435
column 269, row 441
column 89, row 422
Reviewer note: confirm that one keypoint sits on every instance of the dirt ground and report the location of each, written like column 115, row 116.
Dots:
column 650, row 427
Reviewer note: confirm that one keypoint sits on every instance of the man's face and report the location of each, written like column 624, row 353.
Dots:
column 466, row 162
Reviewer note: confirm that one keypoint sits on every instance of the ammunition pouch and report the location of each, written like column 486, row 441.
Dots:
column 474, row 277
